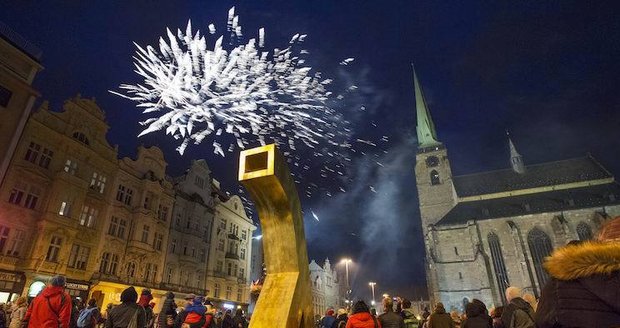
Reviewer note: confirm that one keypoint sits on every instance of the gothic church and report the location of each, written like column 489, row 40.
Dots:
column 489, row 230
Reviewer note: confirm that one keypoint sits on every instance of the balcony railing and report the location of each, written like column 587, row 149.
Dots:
column 232, row 256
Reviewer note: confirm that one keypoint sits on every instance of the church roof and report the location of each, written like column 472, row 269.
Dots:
column 551, row 201
column 538, row 175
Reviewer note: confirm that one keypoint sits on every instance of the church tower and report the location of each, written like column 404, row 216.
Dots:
column 516, row 161
column 432, row 169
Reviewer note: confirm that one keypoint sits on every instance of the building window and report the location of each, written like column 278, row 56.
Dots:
column 169, row 275
column 124, row 194
column 434, row 178
column 185, row 248
column 33, row 152
column 228, row 292
column 203, row 255
column 70, row 167
column 97, row 182
column 5, row 96
column 229, row 270
column 220, row 245
column 17, row 193
column 242, row 255
column 242, row 273
column 88, row 216
column 432, row 161
column 159, row 238
column 162, row 213
column 239, row 294
column 79, row 257
column 114, row 264
column 4, row 236
column 540, row 247
column 150, row 273
column 499, row 266
column 219, row 266
column 173, row 246
column 17, row 242
column 122, row 224
column 244, row 235
column 113, row 226
column 105, row 263
column 145, row 233
column 216, row 290
column 32, row 198
column 199, row 182
column 223, row 225
column 131, row 269
column 53, row 249
column 65, row 209
column 46, row 158
column 583, row 231
column 81, row 137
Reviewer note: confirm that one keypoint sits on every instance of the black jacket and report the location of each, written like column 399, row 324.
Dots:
column 120, row 315
column 477, row 316
column 168, row 309
column 391, row 320
column 339, row 319
column 584, row 289
column 518, row 314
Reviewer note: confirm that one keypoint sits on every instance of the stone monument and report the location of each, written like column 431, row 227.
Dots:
column 285, row 300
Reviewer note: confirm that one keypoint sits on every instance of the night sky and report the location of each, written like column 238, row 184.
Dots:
column 549, row 73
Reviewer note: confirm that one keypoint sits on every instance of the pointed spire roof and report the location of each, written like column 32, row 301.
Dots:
column 424, row 126
column 516, row 161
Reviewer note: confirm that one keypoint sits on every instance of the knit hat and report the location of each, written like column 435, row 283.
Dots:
column 129, row 295
column 58, row 281
column 610, row 231
column 330, row 312
column 360, row 306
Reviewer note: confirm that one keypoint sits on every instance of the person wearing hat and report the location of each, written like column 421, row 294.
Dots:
column 585, row 277
column 193, row 315
column 328, row 319
column 51, row 308
column 439, row 318
column 128, row 312
column 361, row 317
column 341, row 319
column 189, row 300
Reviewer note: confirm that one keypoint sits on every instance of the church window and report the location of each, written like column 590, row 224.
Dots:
column 432, row 161
column 583, row 231
column 498, row 263
column 461, row 275
column 434, row 178
column 540, row 247
column 456, row 250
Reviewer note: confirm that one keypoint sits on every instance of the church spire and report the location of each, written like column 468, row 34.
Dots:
column 516, row 161
column 424, row 127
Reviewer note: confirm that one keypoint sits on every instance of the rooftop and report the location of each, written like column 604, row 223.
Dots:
column 20, row 42
column 551, row 201
column 538, row 175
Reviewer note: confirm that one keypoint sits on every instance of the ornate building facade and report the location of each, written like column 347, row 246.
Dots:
column 486, row 231
column 326, row 291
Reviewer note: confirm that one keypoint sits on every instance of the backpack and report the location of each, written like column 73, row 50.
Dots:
column 87, row 317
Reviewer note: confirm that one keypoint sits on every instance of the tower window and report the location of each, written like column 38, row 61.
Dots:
column 435, row 178
column 432, row 161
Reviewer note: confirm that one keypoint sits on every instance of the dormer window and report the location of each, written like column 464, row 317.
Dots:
column 81, row 137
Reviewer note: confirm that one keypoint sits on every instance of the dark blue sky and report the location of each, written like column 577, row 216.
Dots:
column 548, row 72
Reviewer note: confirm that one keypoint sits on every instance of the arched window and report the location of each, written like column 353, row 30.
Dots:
column 434, row 178
column 81, row 137
column 131, row 270
column 583, row 231
column 498, row 264
column 540, row 247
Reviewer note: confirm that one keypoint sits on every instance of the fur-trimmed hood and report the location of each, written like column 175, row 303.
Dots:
column 584, row 260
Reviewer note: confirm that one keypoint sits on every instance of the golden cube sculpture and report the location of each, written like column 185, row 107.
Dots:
column 285, row 300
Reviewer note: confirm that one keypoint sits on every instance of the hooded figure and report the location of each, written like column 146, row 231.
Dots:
column 583, row 291
column 168, row 312
column 128, row 311
column 477, row 316
column 52, row 307
column 361, row 317
column 439, row 318
column 144, row 302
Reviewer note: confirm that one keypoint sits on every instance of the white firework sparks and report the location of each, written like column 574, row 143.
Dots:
column 193, row 90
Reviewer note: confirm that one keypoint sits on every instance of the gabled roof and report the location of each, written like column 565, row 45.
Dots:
column 551, row 201
column 538, row 175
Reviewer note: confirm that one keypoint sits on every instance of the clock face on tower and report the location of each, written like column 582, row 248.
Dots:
column 432, row 161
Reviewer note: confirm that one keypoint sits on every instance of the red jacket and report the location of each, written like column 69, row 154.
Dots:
column 362, row 320
column 44, row 314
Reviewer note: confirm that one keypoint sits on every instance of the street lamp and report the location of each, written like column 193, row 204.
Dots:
column 346, row 267
column 372, row 288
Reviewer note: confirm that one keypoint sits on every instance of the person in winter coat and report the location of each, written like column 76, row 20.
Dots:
column 477, row 316
column 89, row 316
column 583, row 291
column 361, row 317
column 389, row 318
column 144, row 302
column 18, row 313
column 409, row 317
column 168, row 312
column 128, row 311
column 3, row 317
column 341, row 319
column 227, row 321
column 52, row 307
column 193, row 314
column 328, row 320
column 239, row 319
column 496, row 316
column 439, row 318
column 518, row 313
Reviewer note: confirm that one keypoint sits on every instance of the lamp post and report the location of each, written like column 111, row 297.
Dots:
column 346, row 268
column 372, row 289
